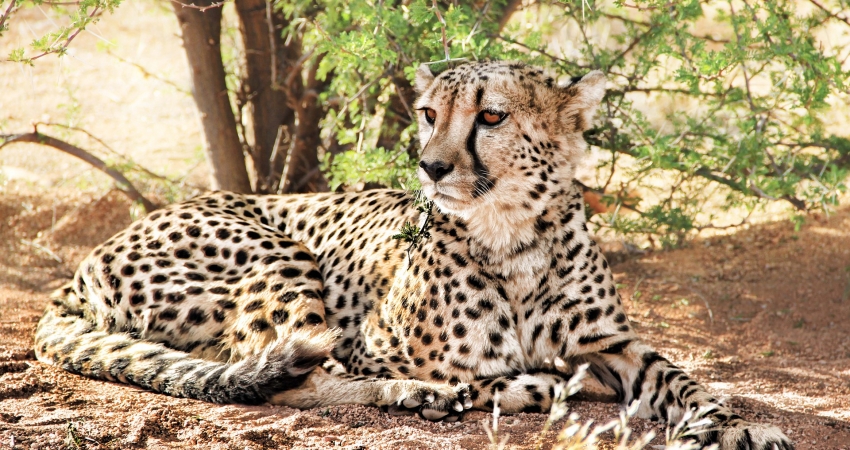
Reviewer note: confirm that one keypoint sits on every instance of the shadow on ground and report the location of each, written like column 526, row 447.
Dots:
column 762, row 317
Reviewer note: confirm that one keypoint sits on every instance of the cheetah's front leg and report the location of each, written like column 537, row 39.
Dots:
column 666, row 392
column 327, row 387
column 517, row 393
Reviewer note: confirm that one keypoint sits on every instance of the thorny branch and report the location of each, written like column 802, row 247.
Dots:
column 200, row 8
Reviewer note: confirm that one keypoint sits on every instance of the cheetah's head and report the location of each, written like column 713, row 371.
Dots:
column 501, row 136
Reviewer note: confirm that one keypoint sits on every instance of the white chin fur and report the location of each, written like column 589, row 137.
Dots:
column 496, row 226
column 445, row 201
column 445, row 208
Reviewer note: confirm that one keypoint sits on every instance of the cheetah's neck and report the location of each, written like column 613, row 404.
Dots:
column 516, row 243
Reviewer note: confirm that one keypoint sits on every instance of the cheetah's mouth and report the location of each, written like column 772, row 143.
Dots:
column 440, row 190
column 441, row 194
column 446, row 199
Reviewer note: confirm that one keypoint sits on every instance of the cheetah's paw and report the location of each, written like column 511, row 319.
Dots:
column 435, row 402
column 753, row 436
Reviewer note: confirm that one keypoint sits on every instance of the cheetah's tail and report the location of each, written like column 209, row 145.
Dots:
column 67, row 339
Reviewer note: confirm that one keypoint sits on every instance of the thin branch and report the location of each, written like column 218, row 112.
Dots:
column 442, row 29
column 481, row 16
column 644, row 8
column 308, row 177
column 112, row 151
column 541, row 52
column 39, row 138
column 354, row 97
column 200, row 8
column 631, row 47
column 649, row 90
column 273, row 176
column 95, row 12
column 43, row 249
column 272, row 45
column 407, row 108
column 148, row 73
column 743, row 63
column 709, row 174
column 295, row 69
column 704, row 37
column 830, row 13
column 7, row 13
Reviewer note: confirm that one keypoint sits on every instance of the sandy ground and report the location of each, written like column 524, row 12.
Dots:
column 762, row 317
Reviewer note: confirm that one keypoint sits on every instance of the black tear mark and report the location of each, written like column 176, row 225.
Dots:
column 483, row 183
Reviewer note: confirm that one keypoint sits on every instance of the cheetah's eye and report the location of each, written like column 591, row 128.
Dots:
column 491, row 117
column 430, row 115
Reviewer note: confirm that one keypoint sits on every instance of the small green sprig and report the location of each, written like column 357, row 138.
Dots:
column 412, row 233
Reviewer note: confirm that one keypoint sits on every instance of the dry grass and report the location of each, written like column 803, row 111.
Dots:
column 578, row 434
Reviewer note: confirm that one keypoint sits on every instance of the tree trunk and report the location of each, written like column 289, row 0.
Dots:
column 303, row 174
column 267, row 102
column 201, row 31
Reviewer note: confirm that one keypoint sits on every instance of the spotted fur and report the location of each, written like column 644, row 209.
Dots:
column 308, row 301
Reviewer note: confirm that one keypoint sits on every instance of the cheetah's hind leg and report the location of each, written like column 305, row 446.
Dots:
column 68, row 339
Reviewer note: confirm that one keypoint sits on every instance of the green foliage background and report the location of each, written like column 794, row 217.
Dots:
column 711, row 105
column 721, row 98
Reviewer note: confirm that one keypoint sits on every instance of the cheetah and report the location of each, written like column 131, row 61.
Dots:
column 307, row 300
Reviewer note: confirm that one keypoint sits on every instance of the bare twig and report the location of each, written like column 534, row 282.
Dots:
column 305, row 179
column 481, row 16
column 707, row 306
column 39, row 138
column 641, row 23
column 442, row 28
column 708, row 173
column 743, row 63
column 274, row 178
column 830, row 13
column 403, row 101
column 110, row 150
column 272, row 45
column 43, row 249
column 799, row 204
column 541, row 52
column 200, row 8
column 630, row 47
column 148, row 73
column 295, row 69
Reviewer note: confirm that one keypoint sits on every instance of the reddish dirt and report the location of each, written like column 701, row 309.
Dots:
column 762, row 317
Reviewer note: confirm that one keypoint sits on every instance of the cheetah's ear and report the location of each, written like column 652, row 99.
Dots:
column 424, row 78
column 582, row 99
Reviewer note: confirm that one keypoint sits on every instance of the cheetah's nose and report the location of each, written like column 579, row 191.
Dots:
column 436, row 170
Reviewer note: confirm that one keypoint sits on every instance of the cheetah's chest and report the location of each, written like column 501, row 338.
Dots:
column 448, row 318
